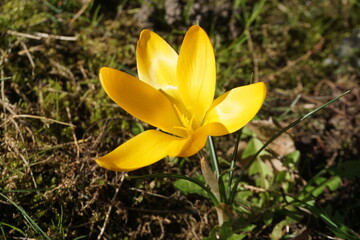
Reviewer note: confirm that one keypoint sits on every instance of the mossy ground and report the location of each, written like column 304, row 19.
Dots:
column 56, row 120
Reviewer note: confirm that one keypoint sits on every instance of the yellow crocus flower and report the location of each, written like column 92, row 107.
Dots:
column 175, row 93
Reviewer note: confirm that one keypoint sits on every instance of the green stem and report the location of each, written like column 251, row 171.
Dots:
column 233, row 192
column 178, row 176
column 233, row 161
column 213, row 157
column 215, row 165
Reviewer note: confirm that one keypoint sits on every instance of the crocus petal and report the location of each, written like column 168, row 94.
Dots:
column 156, row 62
column 235, row 108
column 140, row 100
column 195, row 142
column 142, row 150
column 196, row 73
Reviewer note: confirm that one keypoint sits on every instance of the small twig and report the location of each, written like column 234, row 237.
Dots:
column 31, row 49
column 149, row 193
column 6, row 106
column 58, row 37
column 100, row 136
column 40, row 35
column 317, row 102
column 161, row 226
column 24, row 35
column 62, row 70
column 80, row 12
column 293, row 63
column 253, row 188
column 28, row 55
column 2, row 88
column 110, row 207
column 73, row 134
column 192, row 229
column 26, row 163
column 45, row 119
column 333, row 87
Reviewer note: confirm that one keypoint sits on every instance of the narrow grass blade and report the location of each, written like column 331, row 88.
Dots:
column 12, row 227
column 234, row 189
column 337, row 228
column 31, row 222
column 178, row 176
column 255, row 13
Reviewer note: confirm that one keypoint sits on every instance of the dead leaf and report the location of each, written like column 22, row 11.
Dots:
column 265, row 129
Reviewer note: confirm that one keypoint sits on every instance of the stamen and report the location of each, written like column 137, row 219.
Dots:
column 186, row 124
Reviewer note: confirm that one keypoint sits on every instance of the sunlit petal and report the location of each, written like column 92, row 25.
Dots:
column 196, row 73
column 235, row 108
column 195, row 142
column 156, row 62
column 142, row 150
column 140, row 100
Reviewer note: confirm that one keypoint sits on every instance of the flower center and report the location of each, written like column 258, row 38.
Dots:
column 187, row 123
